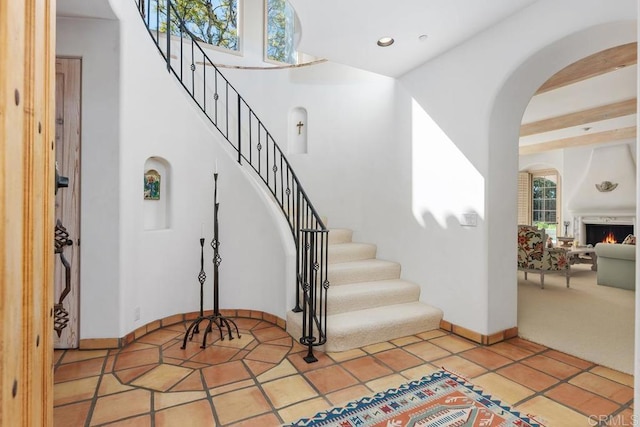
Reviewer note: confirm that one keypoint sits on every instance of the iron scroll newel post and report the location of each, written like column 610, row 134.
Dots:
column 216, row 318
column 314, row 276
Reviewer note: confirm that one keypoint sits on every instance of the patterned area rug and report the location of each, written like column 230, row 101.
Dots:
column 438, row 400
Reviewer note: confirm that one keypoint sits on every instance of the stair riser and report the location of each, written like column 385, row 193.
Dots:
column 340, row 236
column 356, row 275
column 379, row 333
column 371, row 332
column 344, row 253
column 343, row 304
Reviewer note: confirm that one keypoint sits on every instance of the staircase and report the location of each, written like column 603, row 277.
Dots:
column 368, row 302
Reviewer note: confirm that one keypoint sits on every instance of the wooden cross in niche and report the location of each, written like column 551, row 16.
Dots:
column 300, row 124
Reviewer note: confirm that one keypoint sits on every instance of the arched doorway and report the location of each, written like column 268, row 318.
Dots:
column 520, row 87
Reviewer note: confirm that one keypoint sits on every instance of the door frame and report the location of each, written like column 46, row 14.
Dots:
column 27, row 43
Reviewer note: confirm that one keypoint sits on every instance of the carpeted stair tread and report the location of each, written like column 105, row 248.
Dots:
column 373, row 325
column 360, row 328
column 362, row 271
column 340, row 235
column 346, row 252
column 360, row 296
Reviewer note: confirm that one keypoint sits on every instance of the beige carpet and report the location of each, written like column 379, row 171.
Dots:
column 592, row 322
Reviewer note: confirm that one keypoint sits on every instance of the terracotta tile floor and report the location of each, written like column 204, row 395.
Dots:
column 260, row 379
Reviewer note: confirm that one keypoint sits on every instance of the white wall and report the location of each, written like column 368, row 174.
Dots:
column 477, row 94
column 349, row 112
column 96, row 41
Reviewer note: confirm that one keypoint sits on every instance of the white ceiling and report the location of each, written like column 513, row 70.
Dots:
column 85, row 8
column 356, row 25
column 346, row 32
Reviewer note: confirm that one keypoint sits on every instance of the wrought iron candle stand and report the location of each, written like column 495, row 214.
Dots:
column 216, row 318
column 194, row 328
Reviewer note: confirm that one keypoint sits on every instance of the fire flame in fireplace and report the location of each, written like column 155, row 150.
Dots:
column 609, row 238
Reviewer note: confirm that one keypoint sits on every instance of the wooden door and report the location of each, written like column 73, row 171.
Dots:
column 27, row 59
column 68, row 75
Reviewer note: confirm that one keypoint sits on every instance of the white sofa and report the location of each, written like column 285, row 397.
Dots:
column 616, row 265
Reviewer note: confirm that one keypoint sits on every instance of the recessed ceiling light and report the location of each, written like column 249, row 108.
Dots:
column 385, row 41
column 423, row 37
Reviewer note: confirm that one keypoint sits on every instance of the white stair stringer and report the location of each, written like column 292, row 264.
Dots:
column 367, row 301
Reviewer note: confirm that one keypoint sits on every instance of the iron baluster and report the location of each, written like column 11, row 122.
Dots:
column 168, row 34
column 239, row 130
column 193, row 71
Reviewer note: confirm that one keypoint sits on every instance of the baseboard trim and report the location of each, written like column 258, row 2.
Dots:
column 478, row 337
column 116, row 343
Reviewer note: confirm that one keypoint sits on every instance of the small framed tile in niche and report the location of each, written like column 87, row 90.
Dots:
column 151, row 185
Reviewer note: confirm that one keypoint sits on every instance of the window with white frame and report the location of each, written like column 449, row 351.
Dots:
column 538, row 200
column 279, row 32
column 214, row 22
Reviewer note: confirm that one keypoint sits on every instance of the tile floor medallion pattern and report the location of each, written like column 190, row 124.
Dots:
column 261, row 379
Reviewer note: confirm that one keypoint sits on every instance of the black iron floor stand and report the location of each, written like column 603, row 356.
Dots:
column 216, row 318
column 194, row 328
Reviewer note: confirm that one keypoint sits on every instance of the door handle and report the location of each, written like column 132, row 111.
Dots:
column 61, row 181
column 61, row 240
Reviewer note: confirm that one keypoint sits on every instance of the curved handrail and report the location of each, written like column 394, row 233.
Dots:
column 238, row 123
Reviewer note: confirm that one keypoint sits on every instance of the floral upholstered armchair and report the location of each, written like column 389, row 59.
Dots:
column 535, row 257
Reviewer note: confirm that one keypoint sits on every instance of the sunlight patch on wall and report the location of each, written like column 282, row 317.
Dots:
column 444, row 182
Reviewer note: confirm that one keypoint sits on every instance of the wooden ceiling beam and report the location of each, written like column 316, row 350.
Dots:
column 579, row 141
column 593, row 65
column 596, row 114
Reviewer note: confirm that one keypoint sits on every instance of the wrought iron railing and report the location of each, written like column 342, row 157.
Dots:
column 236, row 121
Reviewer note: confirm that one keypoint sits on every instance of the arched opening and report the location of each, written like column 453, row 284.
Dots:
column 505, row 122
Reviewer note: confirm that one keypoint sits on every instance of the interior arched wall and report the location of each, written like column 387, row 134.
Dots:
column 511, row 101
column 477, row 93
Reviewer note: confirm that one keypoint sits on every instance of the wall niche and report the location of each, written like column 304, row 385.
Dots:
column 298, row 125
column 156, row 193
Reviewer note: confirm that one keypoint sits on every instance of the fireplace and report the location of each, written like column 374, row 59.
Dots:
column 604, row 199
column 609, row 233
column 589, row 230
